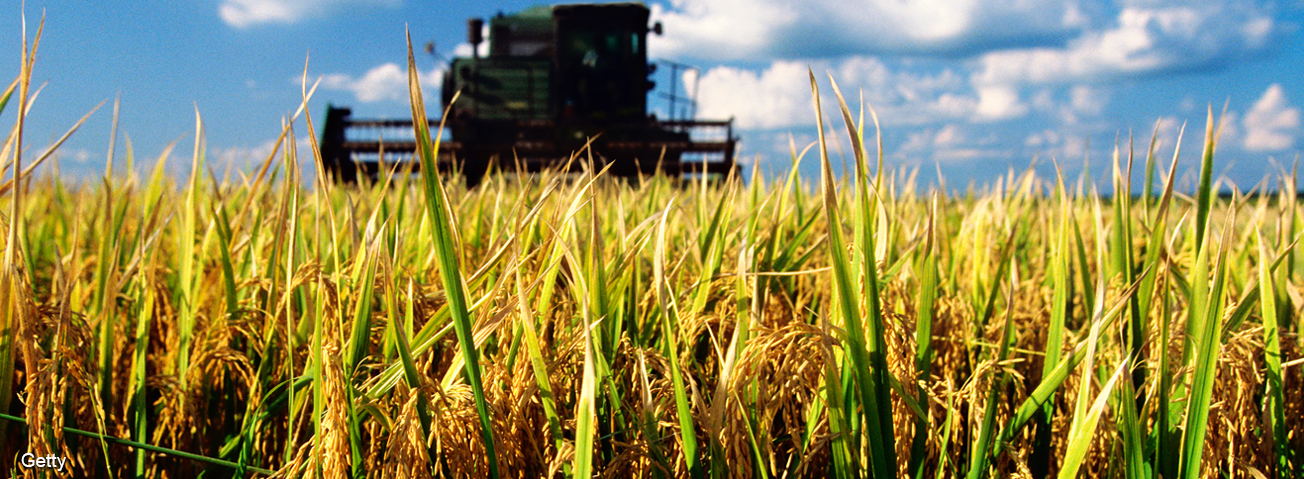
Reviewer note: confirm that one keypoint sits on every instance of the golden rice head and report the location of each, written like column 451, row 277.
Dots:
column 785, row 366
column 406, row 455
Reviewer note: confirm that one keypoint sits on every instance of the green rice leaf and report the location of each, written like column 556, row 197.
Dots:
column 447, row 256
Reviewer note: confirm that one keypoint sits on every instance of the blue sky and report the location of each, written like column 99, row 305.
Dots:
column 969, row 87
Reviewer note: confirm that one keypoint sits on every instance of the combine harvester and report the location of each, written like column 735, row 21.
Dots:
column 555, row 78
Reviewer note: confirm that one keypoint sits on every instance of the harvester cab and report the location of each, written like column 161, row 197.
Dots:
column 555, row 79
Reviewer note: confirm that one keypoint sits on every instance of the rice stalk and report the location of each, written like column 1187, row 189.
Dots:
column 1084, row 427
column 14, row 304
column 1274, row 385
column 868, row 391
column 669, row 317
column 675, row 329
column 979, row 459
column 1207, row 307
column 446, row 253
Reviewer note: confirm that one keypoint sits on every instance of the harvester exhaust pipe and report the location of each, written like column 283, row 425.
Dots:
column 474, row 35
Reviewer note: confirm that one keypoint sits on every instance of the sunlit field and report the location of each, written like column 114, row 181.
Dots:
column 550, row 325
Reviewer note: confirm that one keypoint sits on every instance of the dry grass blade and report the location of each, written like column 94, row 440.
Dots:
column 7, row 185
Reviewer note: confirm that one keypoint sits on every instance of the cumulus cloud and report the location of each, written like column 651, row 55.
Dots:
column 1016, row 48
column 903, row 93
column 999, row 103
column 1073, row 105
column 246, row 13
column 779, row 96
column 1018, row 41
column 387, row 82
column 1272, row 124
column 1087, row 100
column 1057, row 58
column 1057, row 144
column 747, row 29
column 1141, row 41
column 464, row 49
column 768, row 99
column 80, row 162
column 952, row 143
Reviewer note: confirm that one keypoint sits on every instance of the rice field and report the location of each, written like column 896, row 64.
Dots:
column 246, row 325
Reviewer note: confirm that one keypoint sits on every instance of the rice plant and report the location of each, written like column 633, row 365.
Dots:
column 562, row 325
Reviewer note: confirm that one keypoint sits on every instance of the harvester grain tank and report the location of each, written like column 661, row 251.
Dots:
column 555, row 79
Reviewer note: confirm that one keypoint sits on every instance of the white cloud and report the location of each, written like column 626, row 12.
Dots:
column 779, row 96
column 248, row 159
column 80, row 156
column 903, row 93
column 463, row 50
column 1229, row 130
column 1272, row 124
column 387, row 82
column 1076, row 104
column 1166, row 137
column 1058, row 58
column 1141, row 41
column 246, row 13
column 737, row 29
column 950, row 135
column 1087, row 100
column 1058, row 145
column 949, row 144
column 243, row 13
column 1018, row 41
column 770, row 99
column 999, row 103
column 245, row 156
